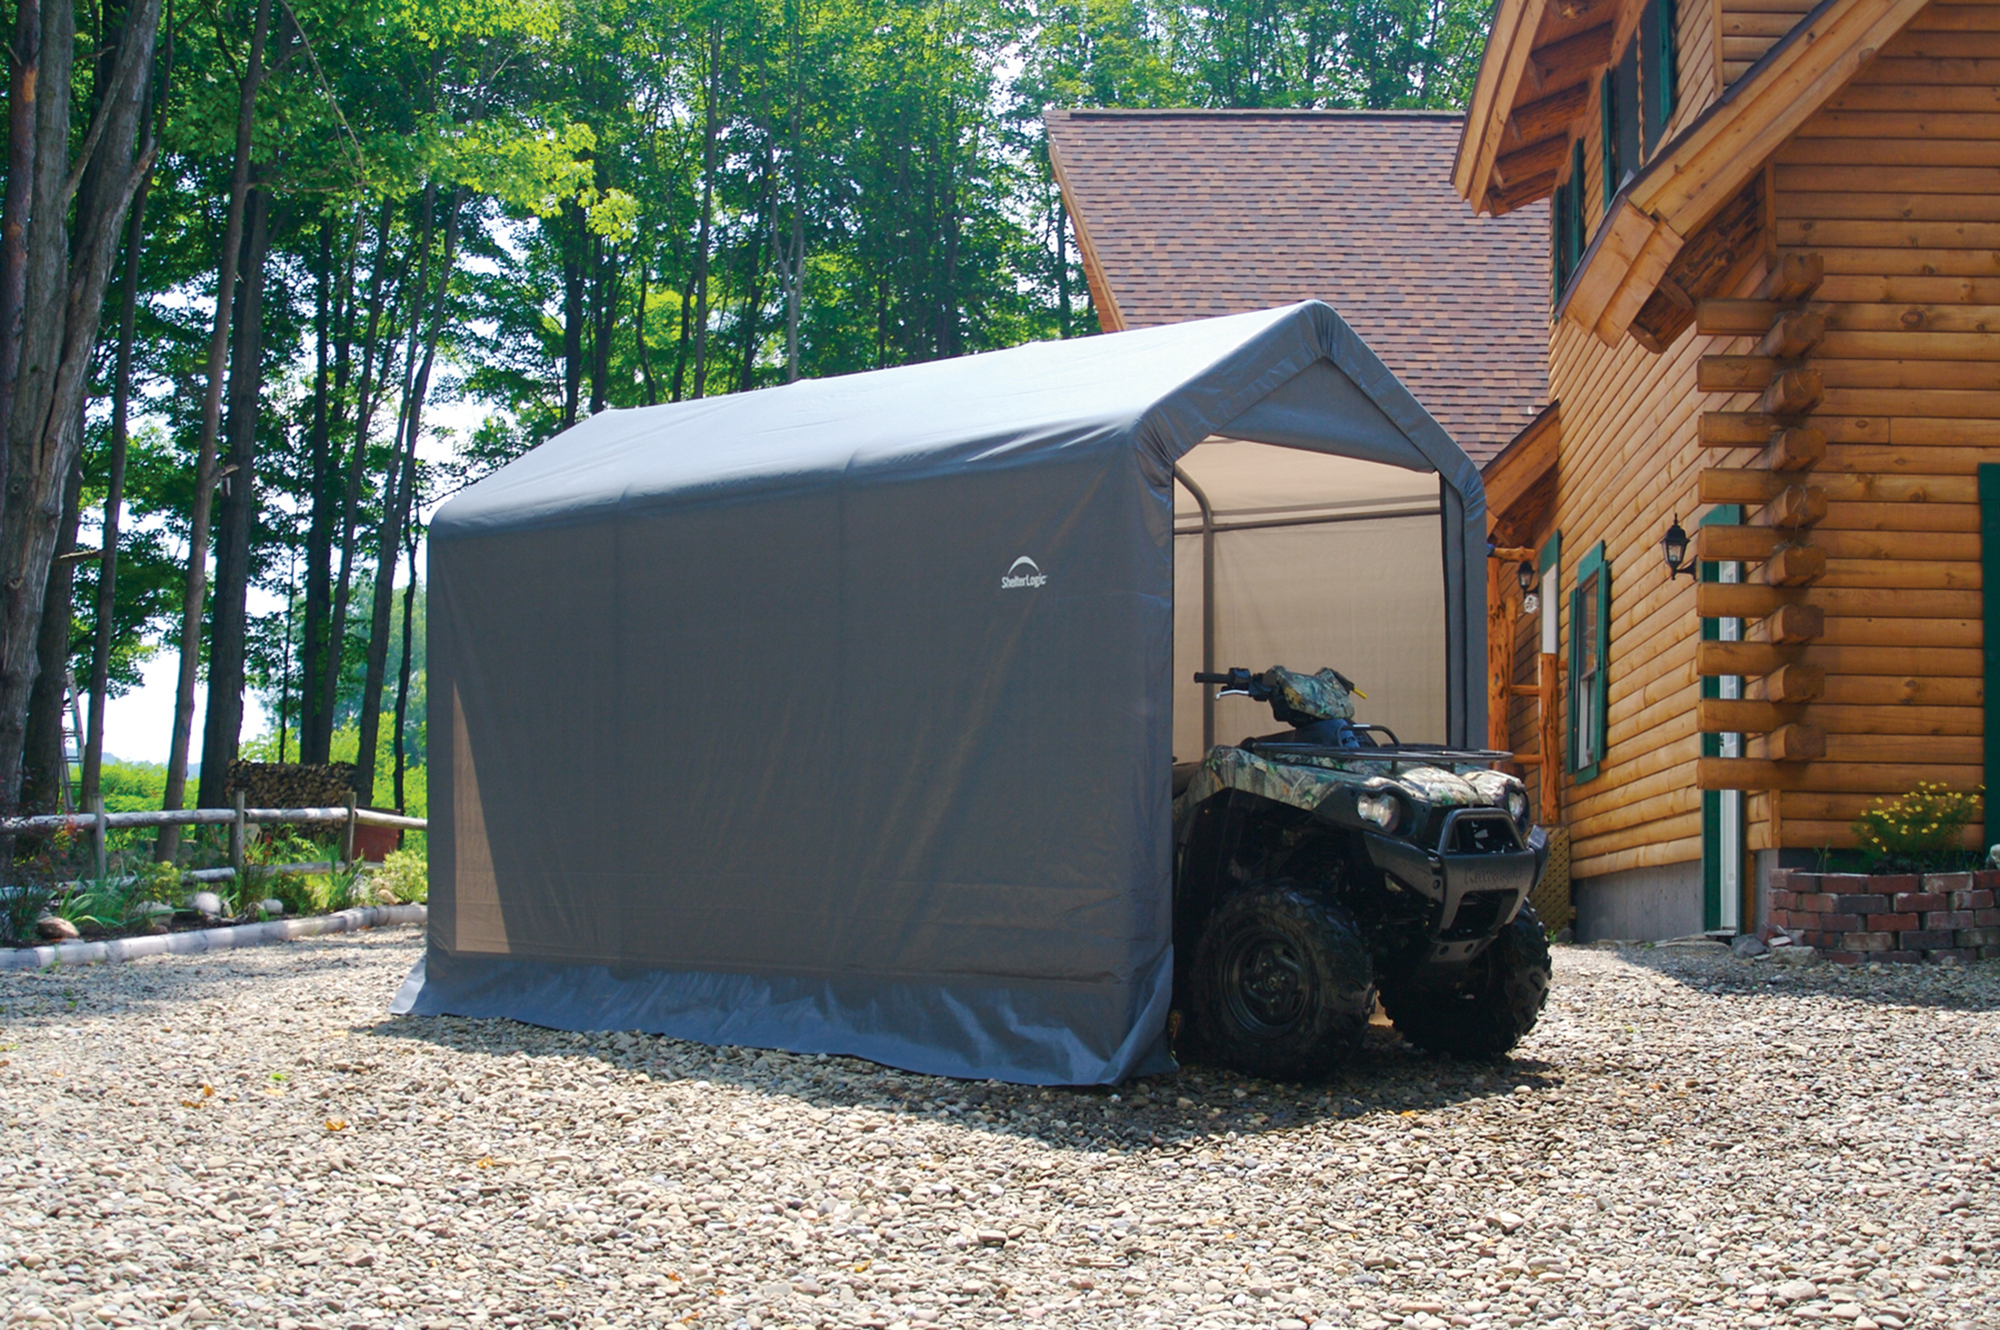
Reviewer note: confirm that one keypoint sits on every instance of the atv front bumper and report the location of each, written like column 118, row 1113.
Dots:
column 1471, row 893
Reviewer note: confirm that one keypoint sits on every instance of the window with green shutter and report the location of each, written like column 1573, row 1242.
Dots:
column 1589, row 648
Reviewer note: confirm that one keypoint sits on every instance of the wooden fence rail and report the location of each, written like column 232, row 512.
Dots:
column 237, row 819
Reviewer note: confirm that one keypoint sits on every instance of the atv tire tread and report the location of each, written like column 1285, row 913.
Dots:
column 1334, row 992
column 1492, row 1009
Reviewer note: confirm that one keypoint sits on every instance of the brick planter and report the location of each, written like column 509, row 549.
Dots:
column 1852, row 918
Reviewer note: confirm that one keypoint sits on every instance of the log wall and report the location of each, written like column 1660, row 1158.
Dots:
column 1896, row 183
column 1750, row 28
column 1628, row 461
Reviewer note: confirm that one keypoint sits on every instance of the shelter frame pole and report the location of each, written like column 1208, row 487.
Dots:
column 1207, row 606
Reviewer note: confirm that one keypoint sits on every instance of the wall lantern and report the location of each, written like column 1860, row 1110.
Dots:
column 1674, row 549
column 1524, row 573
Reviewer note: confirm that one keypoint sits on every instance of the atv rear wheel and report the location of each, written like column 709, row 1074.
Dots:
column 1493, row 1005
column 1283, row 986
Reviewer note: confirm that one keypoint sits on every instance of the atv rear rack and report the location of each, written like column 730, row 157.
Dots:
column 1384, row 753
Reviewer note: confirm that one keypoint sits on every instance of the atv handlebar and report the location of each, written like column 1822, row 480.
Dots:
column 1238, row 680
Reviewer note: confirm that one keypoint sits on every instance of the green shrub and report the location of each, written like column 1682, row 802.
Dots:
column 404, row 877
column 21, row 903
column 1919, row 831
column 153, row 881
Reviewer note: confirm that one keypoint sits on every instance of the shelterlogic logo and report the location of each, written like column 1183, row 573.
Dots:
column 1023, row 573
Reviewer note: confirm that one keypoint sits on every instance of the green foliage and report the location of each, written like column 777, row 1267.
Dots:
column 1920, row 830
column 404, row 877
column 22, row 901
column 646, row 196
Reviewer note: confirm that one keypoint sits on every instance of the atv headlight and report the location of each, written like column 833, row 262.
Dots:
column 1517, row 808
column 1382, row 808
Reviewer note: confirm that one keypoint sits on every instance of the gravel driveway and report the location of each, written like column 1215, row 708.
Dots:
column 246, row 1139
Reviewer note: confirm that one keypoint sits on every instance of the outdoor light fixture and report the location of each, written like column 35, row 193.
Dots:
column 1524, row 573
column 1674, row 549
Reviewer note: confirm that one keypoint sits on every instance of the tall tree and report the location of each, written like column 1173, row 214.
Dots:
column 81, row 191
column 229, row 627
column 211, row 426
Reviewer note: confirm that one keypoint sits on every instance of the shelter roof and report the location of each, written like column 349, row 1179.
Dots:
column 1191, row 214
column 1297, row 376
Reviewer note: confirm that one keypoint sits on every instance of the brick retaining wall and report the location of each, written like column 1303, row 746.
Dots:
column 1855, row 917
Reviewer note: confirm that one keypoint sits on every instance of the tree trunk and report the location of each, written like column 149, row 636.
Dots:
column 1062, row 267
column 681, row 347
column 67, row 260
column 708, row 135
column 320, row 467
column 403, row 671
column 604, row 322
column 364, row 419
column 574, row 242
column 211, row 426
column 646, row 381
column 22, row 97
column 397, row 506
column 229, row 616
column 42, row 773
column 114, row 493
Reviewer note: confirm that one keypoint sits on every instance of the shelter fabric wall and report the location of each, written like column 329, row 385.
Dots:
column 1364, row 596
column 838, row 717
column 652, row 715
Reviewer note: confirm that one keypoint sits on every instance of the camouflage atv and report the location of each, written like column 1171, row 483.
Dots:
column 1319, row 866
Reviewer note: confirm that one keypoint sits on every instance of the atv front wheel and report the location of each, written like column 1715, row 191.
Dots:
column 1491, row 1007
column 1283, row 986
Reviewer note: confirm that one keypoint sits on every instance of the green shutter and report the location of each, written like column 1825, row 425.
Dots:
column 1669, row 82
column 1589, row 694
column 1579, row 236
column 1607, row 98
column 1575, row 673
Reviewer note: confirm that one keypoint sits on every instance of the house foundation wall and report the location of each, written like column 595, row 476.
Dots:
column 1646, row 904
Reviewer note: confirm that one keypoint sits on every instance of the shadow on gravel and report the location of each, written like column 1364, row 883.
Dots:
column 1199, row 1105
column 1966, row 988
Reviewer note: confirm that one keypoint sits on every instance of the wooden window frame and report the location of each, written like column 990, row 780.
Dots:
column 1712, row 875
column 1593, row 578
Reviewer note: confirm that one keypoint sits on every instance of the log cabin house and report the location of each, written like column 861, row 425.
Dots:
column 1774, row 311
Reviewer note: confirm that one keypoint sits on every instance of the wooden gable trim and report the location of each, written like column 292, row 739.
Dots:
column 1712, row 161
column 1528, row 458
column 1109, row 317
column 1533, row 87
column 1508, row 46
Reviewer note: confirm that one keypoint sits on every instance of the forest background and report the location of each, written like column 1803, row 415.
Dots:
column 254, row 249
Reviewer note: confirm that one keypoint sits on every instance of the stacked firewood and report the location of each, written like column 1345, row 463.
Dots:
column 292, row 784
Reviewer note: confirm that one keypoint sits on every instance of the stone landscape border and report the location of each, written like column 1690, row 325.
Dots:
column 198, row 940
column 1857, row 917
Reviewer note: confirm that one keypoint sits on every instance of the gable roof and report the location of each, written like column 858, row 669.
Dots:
column 1190, row 214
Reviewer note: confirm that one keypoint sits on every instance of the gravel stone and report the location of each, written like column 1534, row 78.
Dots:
column 1689, row 1139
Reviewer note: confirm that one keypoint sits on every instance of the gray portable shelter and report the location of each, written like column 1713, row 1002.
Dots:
column 838, row 717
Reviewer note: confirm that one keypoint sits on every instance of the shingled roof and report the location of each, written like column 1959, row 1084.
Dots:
column 1188, row 214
